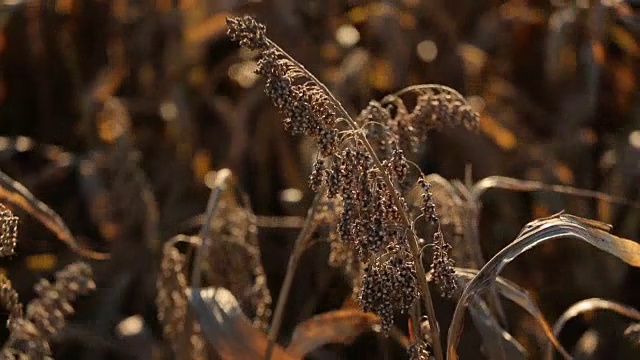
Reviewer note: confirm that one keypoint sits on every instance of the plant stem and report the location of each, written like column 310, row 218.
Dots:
column 298, row 249
column 413, row 241
column 222, row 179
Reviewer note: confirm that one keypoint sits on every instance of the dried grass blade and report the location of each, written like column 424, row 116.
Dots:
column 338, row 326
column 16, row 194
column 497, row 343
column 533, row 234
column 507, row 183
column 587, row 305
column 226, row 327
column 222, row 181
column 521, row 297
column 462, row 208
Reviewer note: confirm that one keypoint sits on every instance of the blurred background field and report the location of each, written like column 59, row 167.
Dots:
column 555, row 83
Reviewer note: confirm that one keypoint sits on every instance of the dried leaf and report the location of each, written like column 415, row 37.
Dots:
column 507, row 183
column 497, row 343
column 338, row 326
column 588, row 305
column 453, row 213
column 16, row 194
column 533, row 234
column 522, row 298
column 226, row 327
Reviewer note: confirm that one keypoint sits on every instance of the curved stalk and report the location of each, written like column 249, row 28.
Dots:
column 223, row 177
column 299, row 247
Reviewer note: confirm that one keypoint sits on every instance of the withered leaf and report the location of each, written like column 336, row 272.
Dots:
column 226, row 327
column 17, row 195
column 533, row 234
column 338, row 326
column 522, row 298
column 588, row 305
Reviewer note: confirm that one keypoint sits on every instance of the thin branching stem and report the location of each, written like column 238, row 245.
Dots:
column 421, row 88
column 298, row 249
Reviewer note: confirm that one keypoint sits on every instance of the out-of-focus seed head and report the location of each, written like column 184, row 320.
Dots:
column 418, row 351
column 8, row 231
column 10, row 301
column 374, row 112
column 435, row 107
column 173, row 304
column 45, row 315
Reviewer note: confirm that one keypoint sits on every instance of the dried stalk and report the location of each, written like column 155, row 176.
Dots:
column 223, row 177
column 299, row 247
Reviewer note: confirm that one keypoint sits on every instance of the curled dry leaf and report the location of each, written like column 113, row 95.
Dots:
column 522, row 298
column 497, row 343
column 588, row 305
column 226, row 327
column 16, row 194
column 533, row 234
column 338, row 326
column 458, row 207
column 632, row 333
